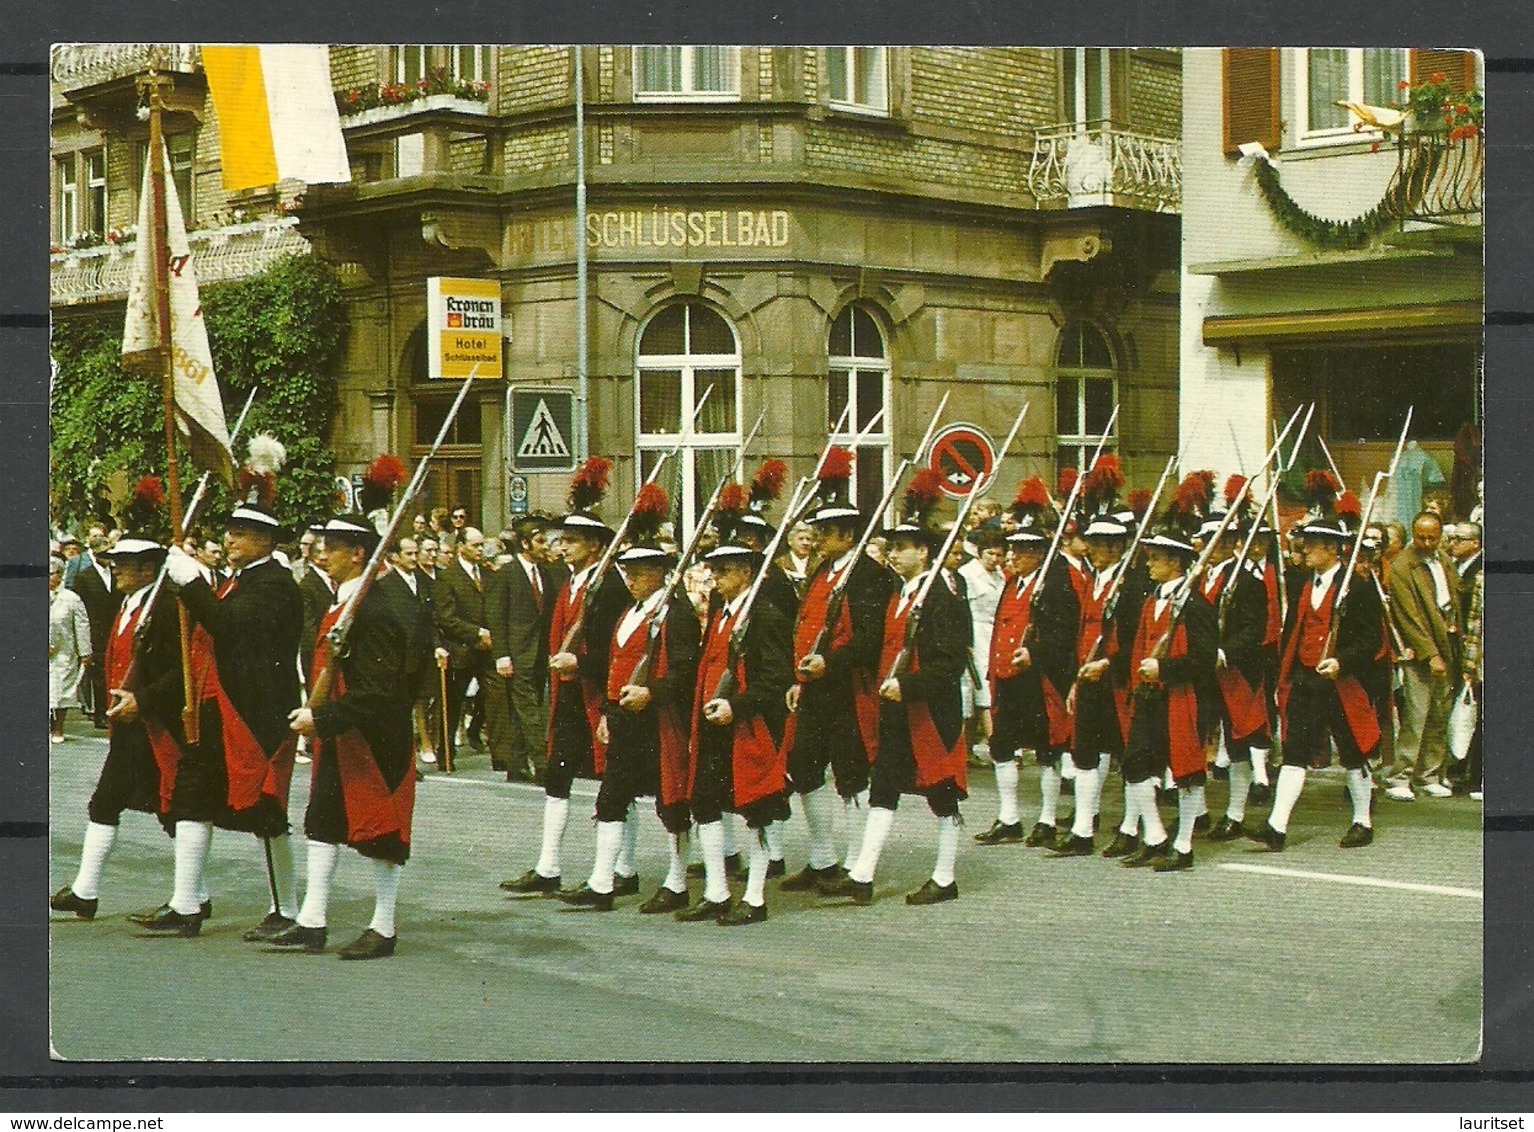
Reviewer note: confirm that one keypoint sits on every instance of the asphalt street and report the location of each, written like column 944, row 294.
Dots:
column 1314, row 954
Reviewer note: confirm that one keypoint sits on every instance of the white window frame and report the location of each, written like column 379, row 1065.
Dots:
column 67, row 200
column 483, row 69
column 690, row 441
column 850, row 103
column 93, row 184
column 850, row 365
column 1304, row 136
column 1076, row 95
column 1083, row 442
column 687, row 93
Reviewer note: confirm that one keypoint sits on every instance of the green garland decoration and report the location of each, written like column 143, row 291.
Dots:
column 1336, row 235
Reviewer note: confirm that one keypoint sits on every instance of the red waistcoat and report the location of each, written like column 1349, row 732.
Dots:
column 934, row 762
column 372, row 809
column 119, row 657
column 1307, row 641
column 559, row 625
column 1185, row 747
column 757, row 765
column 624, row 660
column 812, row 617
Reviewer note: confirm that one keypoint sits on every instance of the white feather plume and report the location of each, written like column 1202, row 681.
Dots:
column 266, row 454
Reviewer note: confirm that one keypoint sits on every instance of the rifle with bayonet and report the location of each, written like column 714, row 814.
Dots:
column 1031, row 633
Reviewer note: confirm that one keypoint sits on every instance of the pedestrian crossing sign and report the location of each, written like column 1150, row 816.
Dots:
column 542, row 430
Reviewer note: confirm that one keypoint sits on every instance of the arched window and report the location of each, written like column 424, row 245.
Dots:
column 685, row 350
column 1086, row 390
column 858, row 371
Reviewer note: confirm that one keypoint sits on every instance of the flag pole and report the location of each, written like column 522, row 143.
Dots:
column 153, row 84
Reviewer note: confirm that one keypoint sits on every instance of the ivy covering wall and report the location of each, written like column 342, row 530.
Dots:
column 281, row 331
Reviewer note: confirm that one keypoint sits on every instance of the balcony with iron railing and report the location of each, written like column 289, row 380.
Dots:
column 1091, row 164
column 78, row 65
column 1439, row 182
column 101, row 273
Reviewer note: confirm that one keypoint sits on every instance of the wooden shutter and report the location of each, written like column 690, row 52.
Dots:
column 1251, row 97
column 1457, row 66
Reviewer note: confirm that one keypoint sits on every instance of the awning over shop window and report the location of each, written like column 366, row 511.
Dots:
column 1456, row 320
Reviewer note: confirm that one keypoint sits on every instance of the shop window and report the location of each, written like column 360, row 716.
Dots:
column 858, row 78
column 1086, row 391
column 676, row 72
column 1363, row 391
column 684, row 351
column 1326, row 75
column 858, row 372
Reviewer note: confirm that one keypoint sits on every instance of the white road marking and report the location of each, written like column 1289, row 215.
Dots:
column 1366, row 882
column 580, row 788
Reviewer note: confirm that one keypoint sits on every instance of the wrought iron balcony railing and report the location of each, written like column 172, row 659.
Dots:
column 101, row 273
column 76, row 65
column 1081, row 164
column 1439, row 180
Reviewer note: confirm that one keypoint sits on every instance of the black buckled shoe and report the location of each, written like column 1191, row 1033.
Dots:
column 1122, row 845
column 776, row 869
column 933, row 893
column 65, row 900
column 1357, row 836
column 809, row 878
column 274, row 924
column 1266, row 835
column 626, row 886
column 703, row 910
column 664, row 900
column 369, row 945
column 531, row 883
column 1072, row 846
column 860, row 892
column 167, row 922
column 742, row 913
column 1040, row 836
column 1227, row 830
column 298, row 938
column 1147, row 855
column 830, row 879
column 1175, row 863
column 142, row 919
column 1000, row 834
column 587, row 897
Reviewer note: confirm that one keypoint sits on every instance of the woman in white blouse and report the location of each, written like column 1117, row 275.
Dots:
column 985, row 579
column 69, row 648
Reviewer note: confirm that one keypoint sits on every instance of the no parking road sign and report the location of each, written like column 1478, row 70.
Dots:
column 964, row 457
column 542, row 430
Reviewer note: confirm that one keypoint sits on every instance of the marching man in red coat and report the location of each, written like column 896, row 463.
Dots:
column 1334, row 668
column 362, row 785
column 921, row 748
column 737, row 765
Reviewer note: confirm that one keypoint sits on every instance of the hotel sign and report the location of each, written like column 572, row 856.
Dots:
column 463, row 321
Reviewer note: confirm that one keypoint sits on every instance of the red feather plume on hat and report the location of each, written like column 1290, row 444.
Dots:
column 1102, row 483
column 589, row 484
column 1233, row 487
column 257, row 487
column 383, row 475
column 149, row 491
column 836, row 466
column 1321, row 487
column 922, row 493
column 1348, row 507
column 1066, row 482
column 651, row 507
column 767, row 484
column 732, row 500
column 1139, row 502
column 1031, row 493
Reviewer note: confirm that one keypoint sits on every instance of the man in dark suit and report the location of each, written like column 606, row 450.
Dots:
column 93, row 582
column 458, row 604
column 318, row 593
column 410, row 591
column 519, row 604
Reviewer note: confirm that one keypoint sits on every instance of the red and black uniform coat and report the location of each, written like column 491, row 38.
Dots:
column 837, row 721
column 362, row 785
column 1311, row 706
column 1164, row 720
column 1028, row 703
column 740, row 767
column 246, row 680
column 1101, row 719
column 143, row 756
column 647, row 749
column 575, row 701
column 921, row 739
column 1243, row 680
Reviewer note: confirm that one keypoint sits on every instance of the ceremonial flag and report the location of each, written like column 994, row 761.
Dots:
column 199, row 408
column 277, row 114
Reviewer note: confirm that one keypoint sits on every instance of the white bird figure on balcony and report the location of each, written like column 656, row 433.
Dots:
column 1379, row 117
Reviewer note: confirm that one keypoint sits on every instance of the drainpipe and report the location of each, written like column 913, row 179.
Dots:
column 582, row 393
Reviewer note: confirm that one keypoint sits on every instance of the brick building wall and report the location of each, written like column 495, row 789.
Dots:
column 531, row 77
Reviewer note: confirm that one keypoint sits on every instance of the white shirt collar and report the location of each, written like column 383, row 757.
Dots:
column 408, row 575
column 134, row 600
column 732, row 607
column 345, row 590
column 841, row 563
column 468, row 567
column 247, row 566
column 913, row 585
column 579, row 580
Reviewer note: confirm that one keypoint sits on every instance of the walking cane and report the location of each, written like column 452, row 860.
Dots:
column 447, row 747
